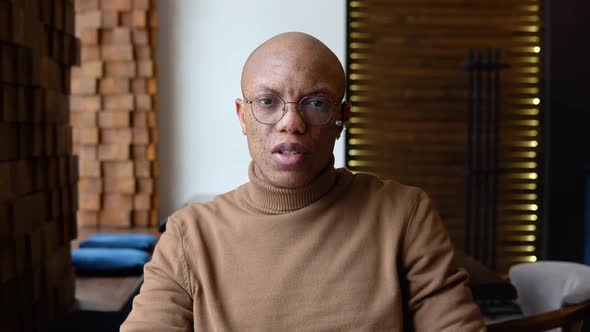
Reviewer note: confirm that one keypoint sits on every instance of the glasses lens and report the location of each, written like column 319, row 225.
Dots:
column 316, row 110
column 267, row 109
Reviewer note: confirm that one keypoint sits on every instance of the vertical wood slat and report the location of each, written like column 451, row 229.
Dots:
column 408, row 93
column 481, row 173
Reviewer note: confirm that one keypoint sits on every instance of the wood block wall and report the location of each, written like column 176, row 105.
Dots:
column 38, row 172
column 114, row 112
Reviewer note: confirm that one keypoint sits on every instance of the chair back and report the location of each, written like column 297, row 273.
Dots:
column 551, row 295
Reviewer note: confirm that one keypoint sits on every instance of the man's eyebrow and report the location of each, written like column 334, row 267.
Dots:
column 320, row 91
column 266, row 89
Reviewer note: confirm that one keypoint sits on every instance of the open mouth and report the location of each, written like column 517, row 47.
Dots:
column 289, row 154
column 289, row 149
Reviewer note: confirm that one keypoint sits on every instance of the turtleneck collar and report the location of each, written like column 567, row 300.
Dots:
column 270, row 199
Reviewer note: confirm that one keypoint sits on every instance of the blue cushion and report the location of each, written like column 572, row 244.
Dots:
column 129, row 241
column 102, row 261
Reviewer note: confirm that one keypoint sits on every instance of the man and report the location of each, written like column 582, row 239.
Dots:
column 303, row 246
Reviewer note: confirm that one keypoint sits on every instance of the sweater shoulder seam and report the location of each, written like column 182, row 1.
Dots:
column 180, row 236
column 409, row 223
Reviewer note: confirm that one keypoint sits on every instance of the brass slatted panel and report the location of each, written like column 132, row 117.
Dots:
column 409, row 102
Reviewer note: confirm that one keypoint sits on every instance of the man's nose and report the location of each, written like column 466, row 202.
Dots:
column 292, row 121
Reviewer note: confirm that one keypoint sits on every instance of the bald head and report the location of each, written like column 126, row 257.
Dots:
column 293, row 53
column 293, row 151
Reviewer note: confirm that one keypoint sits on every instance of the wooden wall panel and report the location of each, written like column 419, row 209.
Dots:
column 38, row 172
column 113, row 112
column 409, row 104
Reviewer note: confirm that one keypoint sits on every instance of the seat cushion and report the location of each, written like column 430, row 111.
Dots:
column 109, row 261
column 130, row 241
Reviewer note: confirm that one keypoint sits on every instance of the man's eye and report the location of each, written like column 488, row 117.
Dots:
column 316, row 102
column 266, row 101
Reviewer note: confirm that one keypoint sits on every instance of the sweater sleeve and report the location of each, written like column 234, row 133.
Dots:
column 165, row 300
column 438, row 296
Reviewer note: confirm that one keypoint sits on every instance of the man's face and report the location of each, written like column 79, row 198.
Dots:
column 290, row 153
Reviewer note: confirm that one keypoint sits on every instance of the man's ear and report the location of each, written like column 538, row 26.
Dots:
column 241, row 113
column 346, row 106
column 344, row 113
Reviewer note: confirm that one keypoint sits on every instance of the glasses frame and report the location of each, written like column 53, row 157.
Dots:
column 250, row 101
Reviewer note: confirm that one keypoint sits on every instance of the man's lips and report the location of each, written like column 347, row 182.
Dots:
column 290, row 149
column 290, row 154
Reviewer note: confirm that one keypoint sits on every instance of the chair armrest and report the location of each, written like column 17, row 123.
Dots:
column 566, row 317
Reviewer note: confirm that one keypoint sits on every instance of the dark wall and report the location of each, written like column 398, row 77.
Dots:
column 567, row 126
column 38, row 172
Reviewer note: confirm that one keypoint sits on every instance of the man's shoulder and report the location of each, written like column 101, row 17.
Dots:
column 197, row 211
column 373, row 185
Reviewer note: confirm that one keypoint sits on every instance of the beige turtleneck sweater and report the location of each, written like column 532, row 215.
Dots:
column 347, row 253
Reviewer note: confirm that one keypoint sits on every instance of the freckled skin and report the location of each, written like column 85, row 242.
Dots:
column 293, row 65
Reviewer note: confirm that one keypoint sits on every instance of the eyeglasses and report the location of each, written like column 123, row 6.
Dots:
column 269, row 109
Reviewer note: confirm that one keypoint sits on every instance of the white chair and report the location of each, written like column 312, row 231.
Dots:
column 550, row 294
